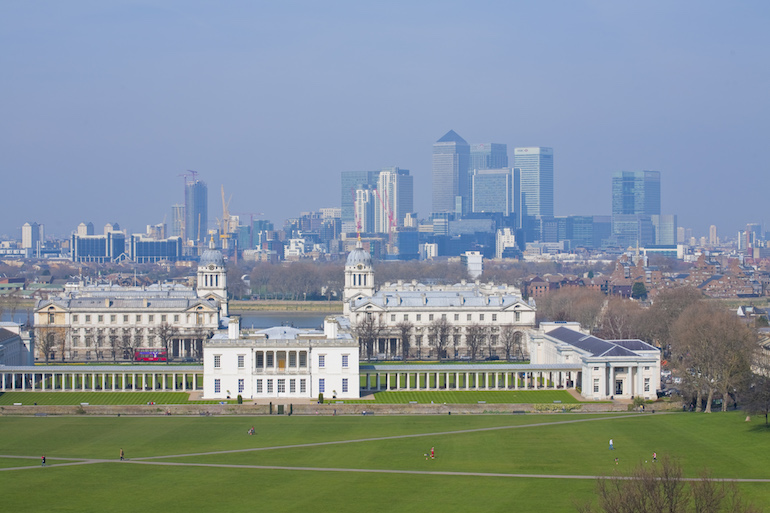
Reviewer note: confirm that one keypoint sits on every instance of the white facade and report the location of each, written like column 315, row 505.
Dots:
column 611, row 369
column 506, row 238
column 281, row 363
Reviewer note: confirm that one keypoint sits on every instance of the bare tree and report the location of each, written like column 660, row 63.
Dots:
column 439, row 331
column 166, row 334
column 508, row 339
column 368, row 332
column 620, row 319
column 757, row 395
column 405, row 332
column 46, row 340
column 572, row 304
column 474, row 338
column 666, row 308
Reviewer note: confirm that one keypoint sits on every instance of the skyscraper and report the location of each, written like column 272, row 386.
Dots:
column 196, row 208
column 177, row 220
column 493, row 191
column 536, row 165
column 489, row 156
column 635, row 199
column 395, row 198
column 451, row 180
column 350, row 183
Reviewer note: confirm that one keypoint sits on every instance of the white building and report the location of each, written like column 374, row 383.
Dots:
column 506, row 238
column 16, row 346
column 611, row 369
column 492, row 308
column 281, row 363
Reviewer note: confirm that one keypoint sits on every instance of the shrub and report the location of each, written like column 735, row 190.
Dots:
column 240, row 399
column 320, row 398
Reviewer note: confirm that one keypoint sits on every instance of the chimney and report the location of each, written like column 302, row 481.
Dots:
column 234, row 328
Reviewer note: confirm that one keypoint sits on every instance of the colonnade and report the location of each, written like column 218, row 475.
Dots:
column 116, row 379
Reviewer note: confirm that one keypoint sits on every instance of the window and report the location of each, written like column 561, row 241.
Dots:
column 419, row 317
column 406, row 317
column 150, row 318
column 302, row 386
column 241, row 361
column 269, row 386
column 481, row 317
column 344, row 385
column 303, row 359
column 113, row 319
column 100, row 318
column 240, row 386
column 646, row 384
column 88, row 318
column 270, row 356
column 163, row 318
column 217, row 386
column 259, row 386
column 293, row 386
column 457, row 317
column 596, row 385
column 217, row 361
column 125, row 319
column 321, row 386
column 138, row 318
column 260, row 360
column 176, row 318
column 430, row 317
column 393, row 317
column 517, row 316
column 322, row 360
column 469, row 318
column 75, row 318
column 494, row 317
column 281, row 386
column 646, row 368
column 345, row 361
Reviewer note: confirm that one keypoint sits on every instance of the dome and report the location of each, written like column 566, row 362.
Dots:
column 212, row 256
column 359, row 256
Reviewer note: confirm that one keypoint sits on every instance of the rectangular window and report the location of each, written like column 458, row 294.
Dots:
column 494, row 317
column 259, row 386
column 321, row 360
column 345, row 361
column 217, row 361
column 344, row 385
column 481, row 317
column 163, row 318
column 138, row 318
column 302, row 386
column 150, row 318
column 125, row 319
column 469, row 317
column 406, row 317
column 292, row 359
column 217, row 386
column 393, row 317
column 113, row 319
column 596, row 369
column 240, row 386
column 176, row 318
column 646, row 368
column 260, row 360
column 517, row 316
column 100, row 319
column 457, row 317
column 88, row 318
column 303, row 359
column 270, row 356
column 281, row 386
column 419, row 317
column 293, row 386
column 269, row 386
column 596, row 385
column 321, row 386
column 241, row 361
column 75, row 318
column 646, row 384
column 430, row 317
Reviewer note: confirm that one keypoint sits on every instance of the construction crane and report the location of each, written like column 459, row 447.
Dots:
column 225, row 229
column 251, row 224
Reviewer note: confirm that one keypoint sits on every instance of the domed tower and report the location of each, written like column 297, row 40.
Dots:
column 212, row 278
column 359, row 276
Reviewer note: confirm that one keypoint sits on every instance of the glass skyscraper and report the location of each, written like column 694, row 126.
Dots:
column 351, row 182
column 451, row 170
column 489, row 156
column 635, row 199
column 196, row 208
column 536, row 165
column 492, row 191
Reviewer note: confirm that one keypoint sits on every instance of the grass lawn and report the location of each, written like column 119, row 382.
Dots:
column 70, row 398
column 469, row 397
column 481, row 444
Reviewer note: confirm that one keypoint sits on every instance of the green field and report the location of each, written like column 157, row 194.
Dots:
column 75, row 398
column 357, row 463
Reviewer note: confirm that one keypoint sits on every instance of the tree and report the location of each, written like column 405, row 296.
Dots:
column 666, row 308
column 166, row 334
column 620, row 319
column 713, row 350
column 46, row 340
column 756, row 397
column 660, row 488
column 405, row 332
column 439, row 332
column 508, row 340
column 639, row 291
column 367, row 332
column 572, row 304
column 474, row 338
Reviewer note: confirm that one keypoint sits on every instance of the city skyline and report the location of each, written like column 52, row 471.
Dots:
column 273, row 102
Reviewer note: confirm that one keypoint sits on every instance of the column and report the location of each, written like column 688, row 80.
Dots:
column 173, row 375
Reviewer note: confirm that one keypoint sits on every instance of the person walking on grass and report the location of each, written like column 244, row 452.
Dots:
column 122, row 455
column 42, row 460
column 612, row 446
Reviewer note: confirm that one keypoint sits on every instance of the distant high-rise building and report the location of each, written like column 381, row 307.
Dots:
column 395, row 198
column 196, row 207
column 85, row 229
column 635, row 199
column 492, row 191
column 489, row 156
column 665, row 229
column 681, row 235
column 351, row 182
column 451, row 168
column 177, row 220
column 32, row 236
column 713, row 239
column 536, row 165
column 364, row 210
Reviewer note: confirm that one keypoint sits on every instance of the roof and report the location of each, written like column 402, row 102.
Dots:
column 6, row 335
column 598, row 347
column 438, row 299
column 452, row 137
column 212, row 256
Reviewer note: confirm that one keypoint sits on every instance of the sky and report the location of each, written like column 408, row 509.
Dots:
column 104, row 104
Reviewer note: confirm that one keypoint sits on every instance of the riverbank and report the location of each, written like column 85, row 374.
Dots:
column 331, row 307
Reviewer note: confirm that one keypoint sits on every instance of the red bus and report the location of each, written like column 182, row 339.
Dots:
column 150, row 355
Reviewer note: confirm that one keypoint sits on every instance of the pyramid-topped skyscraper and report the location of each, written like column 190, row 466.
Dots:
column 451, row 174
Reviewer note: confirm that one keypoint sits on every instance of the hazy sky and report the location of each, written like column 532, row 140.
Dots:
column 104, row 104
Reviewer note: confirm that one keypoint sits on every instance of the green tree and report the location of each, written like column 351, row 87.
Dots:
column 639, row 291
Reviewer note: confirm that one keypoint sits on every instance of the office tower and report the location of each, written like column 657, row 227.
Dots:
column 351, row 182
column 536, row 168
column 489, row 156
column 32, row 235
column 196, row 207
column 713, row 239
column 177, row 221
column 635, row 198
column 681, row 236
column 364, row 210
column 395, row 198
column 451, row 167
column 665, row 229
column 85, row 229
column 492, row 191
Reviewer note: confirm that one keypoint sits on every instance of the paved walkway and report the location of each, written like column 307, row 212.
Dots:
column 151, row 460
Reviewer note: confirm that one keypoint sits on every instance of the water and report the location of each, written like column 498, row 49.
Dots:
column 21, row 316
column 267, row 319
